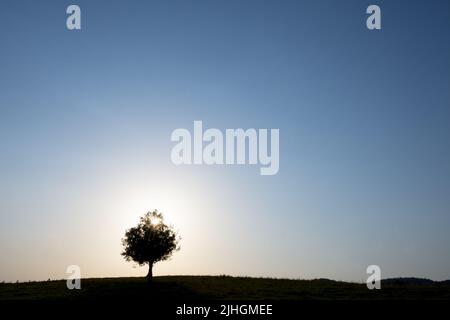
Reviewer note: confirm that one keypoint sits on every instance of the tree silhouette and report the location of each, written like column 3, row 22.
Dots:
column 150, row 241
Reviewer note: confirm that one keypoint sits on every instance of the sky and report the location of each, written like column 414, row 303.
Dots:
column 86, row 118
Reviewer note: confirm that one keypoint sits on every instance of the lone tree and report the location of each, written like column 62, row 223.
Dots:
column 150, row 241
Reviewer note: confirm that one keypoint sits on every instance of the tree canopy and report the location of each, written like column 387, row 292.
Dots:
column 150, row 241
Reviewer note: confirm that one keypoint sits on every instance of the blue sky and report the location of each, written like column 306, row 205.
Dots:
column 86, row 118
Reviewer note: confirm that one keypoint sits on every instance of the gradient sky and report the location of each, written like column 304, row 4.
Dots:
column 86, row 118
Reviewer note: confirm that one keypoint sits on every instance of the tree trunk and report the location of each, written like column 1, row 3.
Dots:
column 150, row 271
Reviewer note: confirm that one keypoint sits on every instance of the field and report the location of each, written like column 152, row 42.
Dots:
column 201, row 288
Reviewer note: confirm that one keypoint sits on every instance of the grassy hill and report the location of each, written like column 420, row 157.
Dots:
column 198, row 288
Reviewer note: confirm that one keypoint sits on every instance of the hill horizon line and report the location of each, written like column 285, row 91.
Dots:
column 390, row 280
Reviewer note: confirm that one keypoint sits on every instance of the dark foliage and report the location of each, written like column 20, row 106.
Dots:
column 150, row 241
